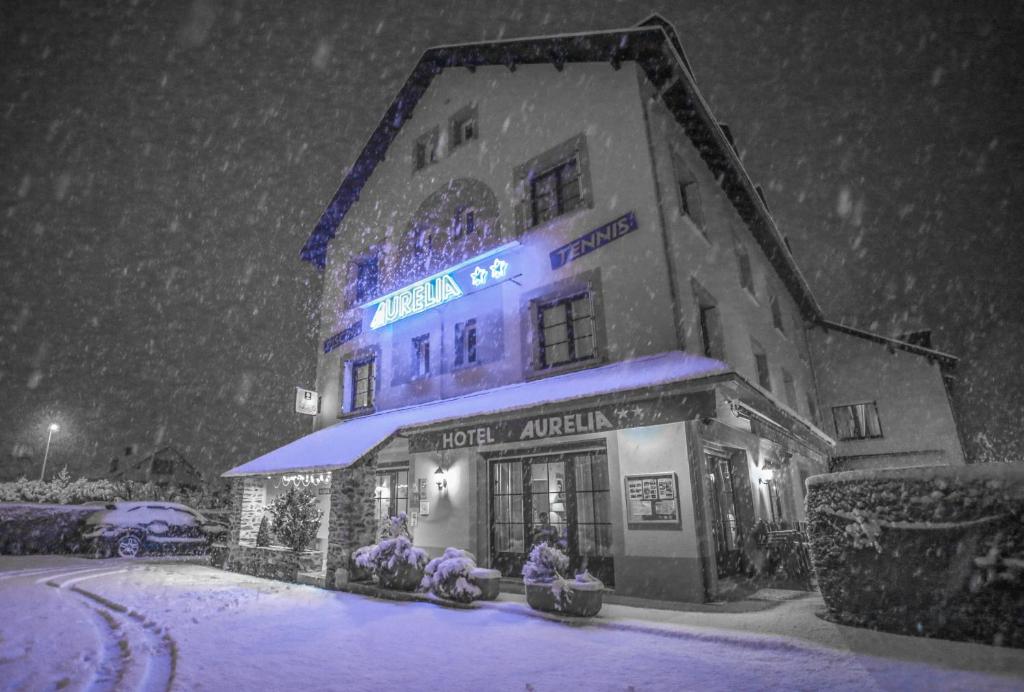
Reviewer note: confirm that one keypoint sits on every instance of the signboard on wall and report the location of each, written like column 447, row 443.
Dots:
column 306, row 401
column 573, row 421
column 593, row 240
column 652, row 499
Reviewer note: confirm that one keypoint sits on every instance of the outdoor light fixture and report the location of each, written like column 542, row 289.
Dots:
column 442, row 482
column 53, row 428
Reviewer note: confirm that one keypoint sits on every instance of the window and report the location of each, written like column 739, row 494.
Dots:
column 421, row 356
column 391, row 496
column 857, row 421
column 761, row 366
column 689, row 193
column 566, row 331
column 746, row 275
column 463, row 126
column 364, row 380
column 424, row 151
column 465, row 342
column 776, row 314
column 556, row 191
column 367, row 277
column 789, row 386
column 464, row 222
column 812, row 408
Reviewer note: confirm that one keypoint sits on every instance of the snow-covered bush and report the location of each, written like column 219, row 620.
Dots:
column 933, row 551
column 296, row 517
column 448, row 576
column 394, row 561
column 61, row 489
column 545, row 564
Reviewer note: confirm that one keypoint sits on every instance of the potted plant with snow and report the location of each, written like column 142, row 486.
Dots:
column 394, row 562
column 548, row 590
column 449, row 576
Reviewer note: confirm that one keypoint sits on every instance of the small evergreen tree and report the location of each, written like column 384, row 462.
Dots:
column 296, row 517
column 263, row 535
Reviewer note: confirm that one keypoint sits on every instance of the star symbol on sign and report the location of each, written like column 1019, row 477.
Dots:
column 479, row 276
column 499, row 268
column 621, row 413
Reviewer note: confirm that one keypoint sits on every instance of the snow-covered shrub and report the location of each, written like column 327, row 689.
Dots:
column 394, row 561
column 545, row 564
column 296, row 517
column 448, row 576
column 935, row 551
column 61, row 489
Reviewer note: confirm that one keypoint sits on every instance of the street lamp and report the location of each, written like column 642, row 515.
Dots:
column 53, row 428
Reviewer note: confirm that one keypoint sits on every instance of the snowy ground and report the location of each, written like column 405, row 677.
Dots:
column 116, row 624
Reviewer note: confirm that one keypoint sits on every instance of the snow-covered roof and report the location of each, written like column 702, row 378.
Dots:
column 655, row 47
column 931, row 353
column 345, row 443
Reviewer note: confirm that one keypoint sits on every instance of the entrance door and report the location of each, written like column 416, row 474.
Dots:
column 725, row 518
column 560, row 498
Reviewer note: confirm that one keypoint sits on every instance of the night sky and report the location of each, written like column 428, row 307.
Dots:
column 163, row 163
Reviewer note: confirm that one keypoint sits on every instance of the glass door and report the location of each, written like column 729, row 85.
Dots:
column 725, row 524
column 561, row 499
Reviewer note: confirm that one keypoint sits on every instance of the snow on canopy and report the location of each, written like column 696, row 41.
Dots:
column 345, row 443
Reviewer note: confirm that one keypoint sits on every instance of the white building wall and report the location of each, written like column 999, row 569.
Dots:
column 521, row 114
column 913, row 408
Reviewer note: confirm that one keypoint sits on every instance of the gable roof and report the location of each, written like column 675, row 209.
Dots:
column 654, row 46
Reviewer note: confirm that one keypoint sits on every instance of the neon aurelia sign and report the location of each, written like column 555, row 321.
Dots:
column 414, row 299
column 451, row 284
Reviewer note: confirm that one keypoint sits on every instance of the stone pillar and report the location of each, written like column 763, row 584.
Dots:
column 235, row 515
column 353, row 523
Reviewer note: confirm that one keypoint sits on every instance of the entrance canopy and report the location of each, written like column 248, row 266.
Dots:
column 345, row 443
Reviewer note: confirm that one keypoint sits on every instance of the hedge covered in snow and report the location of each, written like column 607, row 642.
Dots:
column 935, row 552
column 32, row 529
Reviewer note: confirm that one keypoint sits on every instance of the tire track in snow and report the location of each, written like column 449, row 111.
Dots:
column 135, row 652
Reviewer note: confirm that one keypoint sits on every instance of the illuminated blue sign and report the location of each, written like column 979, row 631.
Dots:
column 444, row 287
column 597, row 238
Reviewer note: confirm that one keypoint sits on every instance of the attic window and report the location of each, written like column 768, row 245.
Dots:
column 464, row 126
column 424, row 150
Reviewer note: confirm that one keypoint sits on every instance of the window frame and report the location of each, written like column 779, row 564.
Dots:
column 746, row 269
column 774, row 304
column 570, row 326
column 421, row 357
column 457, row 127
column 559, row 198
column 525, row 173
column 466, row 343
column 764, row 376
column 427, row 143
column 371, row 390
column 873, row 404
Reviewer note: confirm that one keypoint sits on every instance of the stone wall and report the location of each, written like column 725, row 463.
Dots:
column 235, row 511
column 352, row 522
column 271, row 563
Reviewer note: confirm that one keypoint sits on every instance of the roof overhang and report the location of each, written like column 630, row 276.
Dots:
column 349, row 441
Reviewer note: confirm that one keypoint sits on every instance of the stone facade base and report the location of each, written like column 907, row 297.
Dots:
column 272, row 563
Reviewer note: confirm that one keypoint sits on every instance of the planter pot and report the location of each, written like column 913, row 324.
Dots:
column 488, row 581
column 562, row 597
column 405, row 577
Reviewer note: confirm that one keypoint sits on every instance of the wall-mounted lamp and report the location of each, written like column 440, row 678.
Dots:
column 440, row 479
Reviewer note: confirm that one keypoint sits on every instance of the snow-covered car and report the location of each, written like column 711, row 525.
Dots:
column 130, row 529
